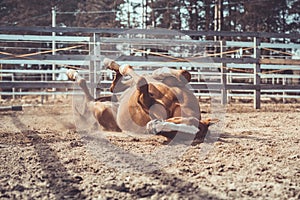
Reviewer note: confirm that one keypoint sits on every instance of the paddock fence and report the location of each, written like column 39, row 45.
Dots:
column 224, row 65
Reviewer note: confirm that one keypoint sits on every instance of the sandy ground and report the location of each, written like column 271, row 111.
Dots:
column 254, row 155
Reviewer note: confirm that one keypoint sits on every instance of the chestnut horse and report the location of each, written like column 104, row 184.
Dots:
column 157, row 103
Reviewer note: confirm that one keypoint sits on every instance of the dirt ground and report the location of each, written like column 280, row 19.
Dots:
column 254, row 154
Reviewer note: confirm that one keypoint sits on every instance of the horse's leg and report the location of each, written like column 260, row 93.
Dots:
column 192, row 121
column 149, row 105
column 142, row 87
column 111, row 64
column 184, row 120
column 122, row 70
column 189, row 125
column 105, row 114
column 141, row 83
column 73, row 75
column 102, row 111
column 116, row 79
column 117, row 85
column 174, row 125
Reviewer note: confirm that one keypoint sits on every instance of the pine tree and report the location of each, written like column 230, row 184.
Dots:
column 293, row 25
column 35, row 12
column 195, row 14
column 166, row 14
column 94, row 13
column 267, row 16
column 26, row 12
column 256, row 15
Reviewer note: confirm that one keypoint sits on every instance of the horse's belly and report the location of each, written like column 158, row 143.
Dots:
column 124, row 116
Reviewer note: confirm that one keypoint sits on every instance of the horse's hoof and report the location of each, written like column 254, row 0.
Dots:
column 124, row 69
column 152, row 126
column 111, row 64
column 72, row 74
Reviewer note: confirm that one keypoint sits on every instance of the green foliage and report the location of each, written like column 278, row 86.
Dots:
column 261, row 15
column 95, row 13
column 236, row 15
column 69, row 12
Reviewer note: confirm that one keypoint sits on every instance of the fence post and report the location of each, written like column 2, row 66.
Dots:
column 257, row 71
column 95, row 65
column 53, row 45
column 0, row 81
column 284, row 82
column 223, row 75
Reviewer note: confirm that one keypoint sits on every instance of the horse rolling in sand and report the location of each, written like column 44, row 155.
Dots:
column 157, row 103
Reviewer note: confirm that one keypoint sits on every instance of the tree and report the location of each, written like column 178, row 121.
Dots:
column 208, row 15
column 195, row 14
column 90, row 13
column 26, row 12
column 262, row 16
column 232, row 10
column 132, row 14
column 94, row 13
column 255, row 15
column 166, row 14
column 293, row 25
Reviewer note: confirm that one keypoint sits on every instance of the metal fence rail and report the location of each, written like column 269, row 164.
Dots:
column 245, row 66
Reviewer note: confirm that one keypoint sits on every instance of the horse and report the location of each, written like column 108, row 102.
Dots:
column 157, row 103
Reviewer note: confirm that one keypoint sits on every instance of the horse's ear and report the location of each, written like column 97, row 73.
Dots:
column 210, row 121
